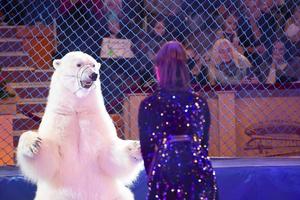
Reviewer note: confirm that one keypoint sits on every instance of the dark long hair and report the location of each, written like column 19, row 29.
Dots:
column 172, row 71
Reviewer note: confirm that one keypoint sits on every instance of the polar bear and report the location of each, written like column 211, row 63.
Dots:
column 76, row 154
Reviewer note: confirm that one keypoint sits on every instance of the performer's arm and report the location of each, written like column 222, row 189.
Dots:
column 146, row 138
column 206, row 125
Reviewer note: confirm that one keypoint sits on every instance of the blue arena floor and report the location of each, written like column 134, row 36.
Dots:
column 237, row 178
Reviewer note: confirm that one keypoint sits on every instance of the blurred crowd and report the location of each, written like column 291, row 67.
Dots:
column 228, row 42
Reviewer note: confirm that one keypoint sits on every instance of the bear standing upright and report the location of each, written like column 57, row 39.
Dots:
column 76, row 154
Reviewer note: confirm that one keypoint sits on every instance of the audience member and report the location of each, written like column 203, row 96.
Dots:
column 228, row 7
column 78, row 27
column 158, row 35
column 249, row 31
column 294, row 19
column 112, row 7
column 175, row 18
column 282, row 10
column 292, row 32
column 198, row 71
column 192, row 7
column 143, row 64
column 228, row 66
column 204, row 31
column 117, row 71
column 135, row 11
column 155, row 37
column 267, row 25
column 280, row 70
column 230, row 29
column 256, row 31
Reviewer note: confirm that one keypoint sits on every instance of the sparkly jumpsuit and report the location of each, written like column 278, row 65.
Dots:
column 173, row 129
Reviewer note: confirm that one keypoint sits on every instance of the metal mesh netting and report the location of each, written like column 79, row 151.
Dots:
column 243, row 56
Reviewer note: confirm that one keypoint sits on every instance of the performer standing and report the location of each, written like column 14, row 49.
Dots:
column 174, row 124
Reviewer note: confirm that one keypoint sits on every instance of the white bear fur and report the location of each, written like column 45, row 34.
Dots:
column 80, row 156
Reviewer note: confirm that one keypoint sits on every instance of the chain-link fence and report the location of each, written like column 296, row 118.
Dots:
column 243, row 56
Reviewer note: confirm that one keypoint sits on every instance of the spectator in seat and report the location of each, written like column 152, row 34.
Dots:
column 157, row 36
column 228, row 66
column 250, row 32
column 256, row 31
column 230, row 32
column 268, row 25
column 294, row 19
column 142, row 62
column 135, row 11
column 282, row 10
column 205, row 30
column 198, row 70
column 112, row 7
column 280, row 70
column 175, row 22
column 116, row 56
column 78, row 27
column 292, row 32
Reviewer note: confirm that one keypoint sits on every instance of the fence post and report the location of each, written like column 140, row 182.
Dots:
column 130, row 115
column 227, row 123
column 7, row 114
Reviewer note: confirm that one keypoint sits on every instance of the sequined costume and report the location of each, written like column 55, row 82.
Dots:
column 174, row 142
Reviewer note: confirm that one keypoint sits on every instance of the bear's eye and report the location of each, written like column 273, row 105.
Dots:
column 93, row 65
column 78, row 65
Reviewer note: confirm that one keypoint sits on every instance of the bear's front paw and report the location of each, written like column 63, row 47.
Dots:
column 35, row 147
column 29, row 144
column 134, row 149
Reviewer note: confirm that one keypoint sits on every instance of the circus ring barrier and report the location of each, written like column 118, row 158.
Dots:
column 249, row 121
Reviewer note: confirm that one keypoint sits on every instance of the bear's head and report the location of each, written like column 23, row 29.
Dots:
column 78, row 72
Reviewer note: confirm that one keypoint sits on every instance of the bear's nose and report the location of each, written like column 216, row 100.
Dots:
column 93, row 76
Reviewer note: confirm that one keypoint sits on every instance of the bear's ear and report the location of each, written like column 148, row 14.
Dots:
column 56, row 63
column 98, row 65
